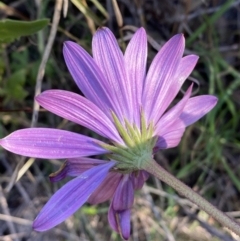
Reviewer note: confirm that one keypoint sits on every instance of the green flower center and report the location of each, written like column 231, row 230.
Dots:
column 139, row 144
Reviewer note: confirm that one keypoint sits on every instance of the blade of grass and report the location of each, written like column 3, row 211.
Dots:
column 231, row 174
column 87, row 12
column 90, row 21
column 100, row 8
column 211, row 20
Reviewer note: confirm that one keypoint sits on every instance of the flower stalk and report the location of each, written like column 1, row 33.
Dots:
column 159, row 172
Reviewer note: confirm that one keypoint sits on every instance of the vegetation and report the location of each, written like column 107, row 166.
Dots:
column 208, row 157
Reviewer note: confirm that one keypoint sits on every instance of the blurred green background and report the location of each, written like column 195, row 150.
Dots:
column 208, row 158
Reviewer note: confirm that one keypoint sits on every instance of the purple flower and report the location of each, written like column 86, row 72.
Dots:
column 121, row 103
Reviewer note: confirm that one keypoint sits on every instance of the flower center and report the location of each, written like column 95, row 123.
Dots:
column 139, row 144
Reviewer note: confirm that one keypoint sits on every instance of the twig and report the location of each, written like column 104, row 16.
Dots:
column 41, row 70
column 157, row 214
column 40, row 75
column 212, row 230
column 181, row 201
column 90, row 21
column 6, row 211
column 65, row 8
column 13, row 236
column 8, row 218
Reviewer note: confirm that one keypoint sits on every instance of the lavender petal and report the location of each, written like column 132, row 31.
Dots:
column 139, row 179
column 120, row 221
column 171, row 137
column 80, row 110
column 170, row 133
column 106, row 190
column 70, row 197
column 75, row 167
column 109, row 58
column 124, row 195
column 196, row 108
column 125, row 225
column 135, row 63
column 50, row 143
column 171, row 116
column 160, row 77
column 184, row 69
column 87, row 76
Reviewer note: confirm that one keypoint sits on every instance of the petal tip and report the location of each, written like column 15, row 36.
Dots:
column 103, row 30
column 180, row 37
column 67, row 43
column 194, row 56
column 210, row 100
column 37, row 227
column 214, row 100
column 142, row 30
column 177, row 39
column 69, row 46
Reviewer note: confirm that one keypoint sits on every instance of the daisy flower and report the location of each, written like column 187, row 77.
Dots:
column 122, row 103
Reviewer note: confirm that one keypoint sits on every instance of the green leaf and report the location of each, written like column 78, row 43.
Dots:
column 14, row 88
column 12, row 29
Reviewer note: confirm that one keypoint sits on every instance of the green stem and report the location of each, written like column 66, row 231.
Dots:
column 156, row 170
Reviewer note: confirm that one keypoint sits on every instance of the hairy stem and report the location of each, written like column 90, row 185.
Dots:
column 156, row 170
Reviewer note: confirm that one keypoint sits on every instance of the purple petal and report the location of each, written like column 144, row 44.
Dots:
column 120, row 221
column 75, row 167
column 172, row 136
column 135, row 63
column 112, row 219
column 185, row 68
column 196, row 108
column 107, row 189
column 173, row 113
column 80, row 110
column 70, row 197
column 87, row 75
column 160, row 77
column 139, row 179
column 124, row 195
column 60, row 174
column 125, row 225
column 109, row 58
column 50, row 143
